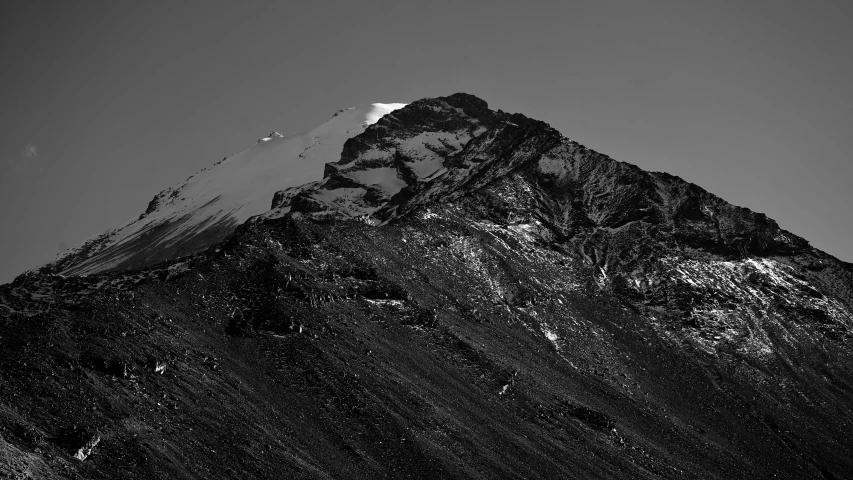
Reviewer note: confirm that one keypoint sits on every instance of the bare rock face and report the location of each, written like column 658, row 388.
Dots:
column 465, row 293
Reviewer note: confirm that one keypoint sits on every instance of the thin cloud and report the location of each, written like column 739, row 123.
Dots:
column 28, row 153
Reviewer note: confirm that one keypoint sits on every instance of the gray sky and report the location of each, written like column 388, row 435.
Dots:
column 104, row 104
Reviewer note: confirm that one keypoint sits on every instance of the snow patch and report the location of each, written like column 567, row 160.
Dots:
column 379, row 110
column 385, row 178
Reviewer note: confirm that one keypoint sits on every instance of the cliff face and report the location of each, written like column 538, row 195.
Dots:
column 465, row 294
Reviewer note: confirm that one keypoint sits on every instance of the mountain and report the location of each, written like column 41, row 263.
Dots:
column 457, row 293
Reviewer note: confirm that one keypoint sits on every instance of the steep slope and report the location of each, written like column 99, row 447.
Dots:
column 207, row 206
column 501, row 303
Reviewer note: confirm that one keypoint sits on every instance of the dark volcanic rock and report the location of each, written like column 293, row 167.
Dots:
column 466, row 294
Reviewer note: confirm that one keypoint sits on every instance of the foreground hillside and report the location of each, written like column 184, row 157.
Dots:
column 501, row 304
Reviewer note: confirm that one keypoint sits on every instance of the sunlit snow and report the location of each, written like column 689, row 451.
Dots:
column 243, row 185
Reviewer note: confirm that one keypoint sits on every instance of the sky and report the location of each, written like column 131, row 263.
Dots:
column 103, row 103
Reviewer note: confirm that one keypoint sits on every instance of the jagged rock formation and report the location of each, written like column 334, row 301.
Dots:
column 464, row 294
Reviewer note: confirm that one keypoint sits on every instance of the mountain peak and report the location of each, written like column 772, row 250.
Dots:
column 394, row 155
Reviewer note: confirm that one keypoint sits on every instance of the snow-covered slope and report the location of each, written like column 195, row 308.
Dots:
column 209, row 205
